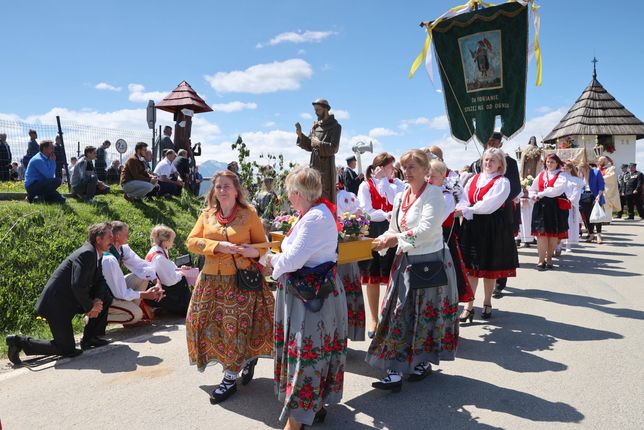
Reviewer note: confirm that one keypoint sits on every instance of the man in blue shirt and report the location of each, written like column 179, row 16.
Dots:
column 40, row 177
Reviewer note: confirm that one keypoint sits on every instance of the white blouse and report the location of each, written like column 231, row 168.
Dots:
column 423, row 232
column 114, row 275
column 384, row 188
column 556, row 190
column 493, row 199
column 346, row 201
column 574, row 186
column 165, row 268
column 313, row 241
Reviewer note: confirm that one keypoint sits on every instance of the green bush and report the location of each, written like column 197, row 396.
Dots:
column 35, row 239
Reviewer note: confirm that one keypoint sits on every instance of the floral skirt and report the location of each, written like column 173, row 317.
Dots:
column 349, row 274
column 310, row 353
column 228, row 326
column 416, row 325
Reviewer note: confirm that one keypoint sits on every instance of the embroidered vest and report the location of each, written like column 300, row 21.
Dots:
column 476, row 194
column 542, row 182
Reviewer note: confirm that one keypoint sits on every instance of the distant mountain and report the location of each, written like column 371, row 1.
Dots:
column 210, row 167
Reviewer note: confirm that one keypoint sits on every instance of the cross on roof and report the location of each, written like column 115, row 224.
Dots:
column 595, row 61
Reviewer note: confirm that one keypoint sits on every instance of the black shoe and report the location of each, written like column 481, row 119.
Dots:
column 387, row 384
column 497, row 293
column 421, row 371
column 74, row 353
column 320, row 416
column 487, row 312
column 248, row 372
column 541, row 267
column 13, row 352
column 227, row 388
column 468, row 316
column 549, row 266
column 94, row 342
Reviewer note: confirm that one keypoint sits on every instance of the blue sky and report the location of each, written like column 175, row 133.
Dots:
column 260, row 64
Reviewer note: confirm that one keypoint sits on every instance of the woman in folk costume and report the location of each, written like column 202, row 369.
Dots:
column 418, row 323
column 611, row 187
column 310, row 344
column 438, row 174
column 349, row 274
column 574, row 187
column 550, row 214
column 487, row 239
column 226, row 322
column 376, row 196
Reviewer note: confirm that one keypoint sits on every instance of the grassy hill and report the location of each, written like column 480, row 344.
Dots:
column 34, row 239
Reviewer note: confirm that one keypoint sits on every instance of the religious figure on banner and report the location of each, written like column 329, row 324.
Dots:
column 323, row 143
column 482, row 60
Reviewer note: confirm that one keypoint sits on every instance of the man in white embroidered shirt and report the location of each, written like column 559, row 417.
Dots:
column 170, row 184
column 127, row 307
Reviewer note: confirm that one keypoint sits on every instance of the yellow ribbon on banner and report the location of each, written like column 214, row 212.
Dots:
column 537, row 49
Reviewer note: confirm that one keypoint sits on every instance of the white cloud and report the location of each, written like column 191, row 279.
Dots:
column 437, row 123
column 233, row 106
column 306, row 115
column 269, row 124
column 544, row 109
column 104, row 86
column 381, row 132
column 340, row 114
column 439, row 90
column 138, row 94
column 263, row 78
column 298, row 37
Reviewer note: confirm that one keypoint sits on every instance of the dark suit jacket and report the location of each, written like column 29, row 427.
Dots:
column 182, row 164
column 351, row 181
column 74, row 285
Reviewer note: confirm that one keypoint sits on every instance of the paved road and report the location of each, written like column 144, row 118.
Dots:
column 564, row 350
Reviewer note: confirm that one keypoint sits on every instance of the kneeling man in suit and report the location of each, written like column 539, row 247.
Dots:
column 77, row 286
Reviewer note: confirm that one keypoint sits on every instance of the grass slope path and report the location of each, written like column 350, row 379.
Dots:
column 34, row 239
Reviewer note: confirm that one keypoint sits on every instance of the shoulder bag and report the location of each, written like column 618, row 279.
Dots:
column 249, row 279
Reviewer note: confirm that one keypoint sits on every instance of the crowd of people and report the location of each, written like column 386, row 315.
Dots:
column 436, row 232
column 43, row 169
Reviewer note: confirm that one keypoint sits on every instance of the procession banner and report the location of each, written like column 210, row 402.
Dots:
column 482, row 58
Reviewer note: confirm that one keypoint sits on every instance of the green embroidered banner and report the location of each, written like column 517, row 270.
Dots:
column 482, row 57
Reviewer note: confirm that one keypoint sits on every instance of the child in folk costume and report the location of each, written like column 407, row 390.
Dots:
column 349, row 273
column 487, row 239
column 438, row 173
column 550, row 213
column 574, row 186
column 418, row 323
column 376, row 196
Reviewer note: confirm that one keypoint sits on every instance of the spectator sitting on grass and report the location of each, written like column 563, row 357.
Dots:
column 76, row 286
column 113, row 173
column 169, row 182
column 136, row 181
column 40, row 177
column 85, row 183
column 183, row 165
column 15, row 171
column 148, row 160
column 127, row 307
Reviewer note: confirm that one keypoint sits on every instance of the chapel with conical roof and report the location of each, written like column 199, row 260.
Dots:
column 599, row 123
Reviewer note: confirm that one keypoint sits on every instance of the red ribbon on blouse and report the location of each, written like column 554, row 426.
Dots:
column 378, row 201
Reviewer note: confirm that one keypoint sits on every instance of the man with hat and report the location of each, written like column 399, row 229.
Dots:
column 633, row 181
column 351, row 179
column 511, row 204
column 620, row 187
column 323, row 143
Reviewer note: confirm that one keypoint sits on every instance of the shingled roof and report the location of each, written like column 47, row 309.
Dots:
column 183, row 97
column 596, row 112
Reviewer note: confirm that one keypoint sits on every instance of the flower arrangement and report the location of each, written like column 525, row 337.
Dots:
column 353, row 226
column 284, row 223
column 608, row 147
column 568, row 144
column 525, row 184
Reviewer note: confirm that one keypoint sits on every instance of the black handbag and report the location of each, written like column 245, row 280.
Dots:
column 250, row 279
column 586, row 198
column 428, row 274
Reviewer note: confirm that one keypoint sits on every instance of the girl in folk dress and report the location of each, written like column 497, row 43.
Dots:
column 310, row 344
column 226, row 324
column 549, row 216
column 376, row 196
column 437, row 174
column 574, row 187
column 417, row 326
column 487, row 239
column 349, row 273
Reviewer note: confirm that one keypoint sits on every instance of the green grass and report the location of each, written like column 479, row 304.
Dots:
column 36, row 238
column 19, row 187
